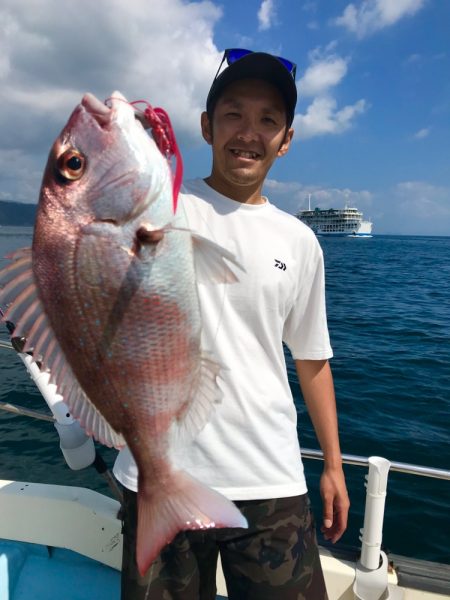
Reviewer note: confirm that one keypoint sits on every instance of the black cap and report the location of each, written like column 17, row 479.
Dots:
column 256, row 65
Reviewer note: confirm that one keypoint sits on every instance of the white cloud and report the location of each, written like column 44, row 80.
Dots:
column 266, row 14
column 425, row 200
column 413, row 208
column 293, row 196
column 313, row 25
column 309, row 6
column 373, row 15
column 422, row 133
column 322, row 117
column 322, row 75
column 413, row 59
column 20, row 176
column 417, row 208
column 53, row 52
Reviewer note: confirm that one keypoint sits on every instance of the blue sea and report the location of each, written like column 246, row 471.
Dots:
column 388, row 301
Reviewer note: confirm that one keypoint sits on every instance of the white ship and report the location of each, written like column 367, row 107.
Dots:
column 336, row 221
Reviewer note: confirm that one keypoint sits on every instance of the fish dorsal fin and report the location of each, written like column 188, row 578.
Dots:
column 198, row 408
column 18, row 294
column 210, row 261
column 84, row 411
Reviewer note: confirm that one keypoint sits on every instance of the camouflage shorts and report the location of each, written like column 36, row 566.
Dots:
column 276, row 558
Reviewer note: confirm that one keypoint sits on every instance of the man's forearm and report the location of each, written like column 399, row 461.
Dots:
column 317, row 386
column 316, row 382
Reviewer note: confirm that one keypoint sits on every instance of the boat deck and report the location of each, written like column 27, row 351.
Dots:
column 43, row 573
column 65, row 542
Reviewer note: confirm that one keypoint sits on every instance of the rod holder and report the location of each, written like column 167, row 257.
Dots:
column 372, row 532
column 77, row 447
column 371, row 577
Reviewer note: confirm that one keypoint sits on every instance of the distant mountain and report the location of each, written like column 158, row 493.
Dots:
column 17, row 214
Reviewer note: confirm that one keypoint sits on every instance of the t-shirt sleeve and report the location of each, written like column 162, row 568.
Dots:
column 305, row 330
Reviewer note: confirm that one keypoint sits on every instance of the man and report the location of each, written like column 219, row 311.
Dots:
column 249, row 450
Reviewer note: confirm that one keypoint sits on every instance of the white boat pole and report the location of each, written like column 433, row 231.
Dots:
column 372, row 532
column 371, row 576
column 77, row 447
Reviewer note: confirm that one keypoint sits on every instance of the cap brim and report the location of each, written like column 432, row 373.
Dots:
column 257, row 65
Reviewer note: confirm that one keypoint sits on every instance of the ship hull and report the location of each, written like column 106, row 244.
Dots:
column 346, row 222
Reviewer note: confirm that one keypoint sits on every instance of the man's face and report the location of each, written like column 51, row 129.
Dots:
column 247, row 134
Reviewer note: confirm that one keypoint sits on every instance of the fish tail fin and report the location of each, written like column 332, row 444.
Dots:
column 184, row 503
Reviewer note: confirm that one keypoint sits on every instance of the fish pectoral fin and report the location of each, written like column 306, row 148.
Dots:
column 210, row 261
column 209, row 257
column 182, row 503
column 196, row 412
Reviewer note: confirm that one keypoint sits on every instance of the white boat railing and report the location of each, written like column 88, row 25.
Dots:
column 348, row 459
column 371, row 573
column 400, row 467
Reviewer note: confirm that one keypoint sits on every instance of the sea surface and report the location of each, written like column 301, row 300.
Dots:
column 388, row 301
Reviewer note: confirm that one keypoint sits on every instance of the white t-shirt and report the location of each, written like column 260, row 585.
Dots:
column 249, row 449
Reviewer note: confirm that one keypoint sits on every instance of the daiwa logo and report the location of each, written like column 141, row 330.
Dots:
column 280, row 265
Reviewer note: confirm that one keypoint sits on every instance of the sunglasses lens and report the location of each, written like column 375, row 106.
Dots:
column 287, row 63
column 235, row 54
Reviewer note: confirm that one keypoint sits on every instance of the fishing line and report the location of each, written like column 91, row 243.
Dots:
column 149, row 575
column 221, row 311
column 158, row 120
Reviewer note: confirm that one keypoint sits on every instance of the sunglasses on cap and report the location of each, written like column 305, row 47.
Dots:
column 231, row 55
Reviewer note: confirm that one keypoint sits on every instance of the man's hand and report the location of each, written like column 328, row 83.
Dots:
column 335, row 503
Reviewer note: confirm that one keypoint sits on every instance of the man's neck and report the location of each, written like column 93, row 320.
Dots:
column 243, row 194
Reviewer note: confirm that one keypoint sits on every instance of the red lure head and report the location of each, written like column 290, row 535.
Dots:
column 164, row 137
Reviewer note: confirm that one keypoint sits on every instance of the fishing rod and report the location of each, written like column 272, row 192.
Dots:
column 26, row 412
column 77, row 447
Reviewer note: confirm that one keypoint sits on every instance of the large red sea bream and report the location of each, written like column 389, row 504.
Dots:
column 107, row 299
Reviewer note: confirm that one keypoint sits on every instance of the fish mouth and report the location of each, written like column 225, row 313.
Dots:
column 116, row 108
column 97, row 109
column 117, row 112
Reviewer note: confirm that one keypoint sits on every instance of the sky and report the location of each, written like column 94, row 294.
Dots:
column 372, row 124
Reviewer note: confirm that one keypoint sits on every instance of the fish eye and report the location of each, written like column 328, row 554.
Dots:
column 71, row 165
